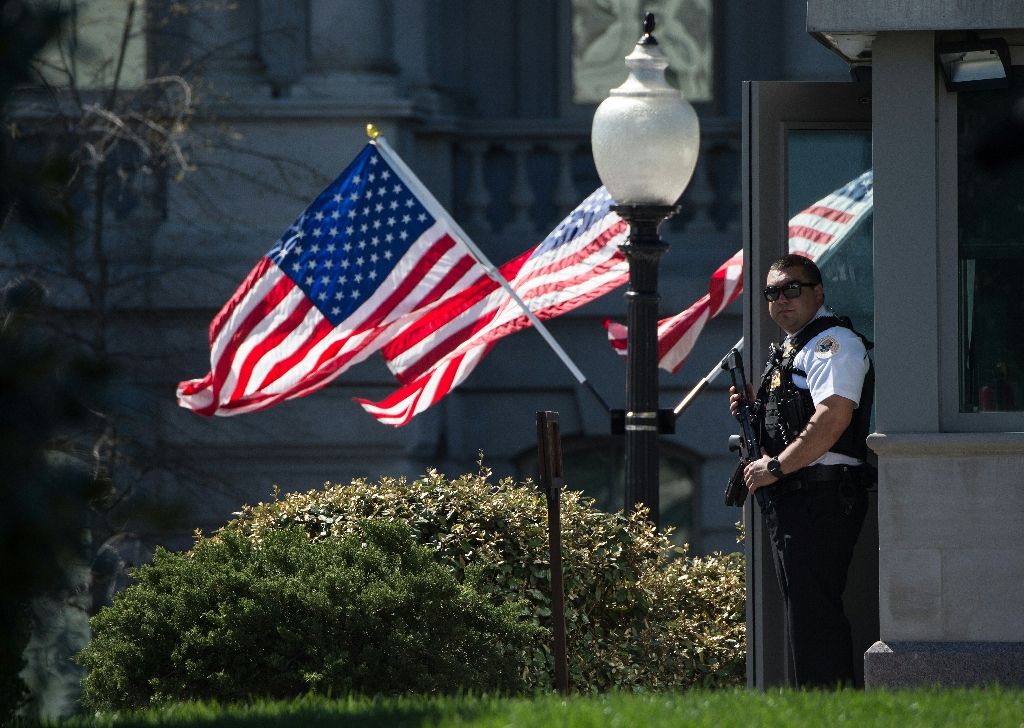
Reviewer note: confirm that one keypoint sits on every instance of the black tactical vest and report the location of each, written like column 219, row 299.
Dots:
column 783, row 409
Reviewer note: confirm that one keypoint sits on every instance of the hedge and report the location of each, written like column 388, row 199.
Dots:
column 233, row 619
column 640, row 612
column 431, row 585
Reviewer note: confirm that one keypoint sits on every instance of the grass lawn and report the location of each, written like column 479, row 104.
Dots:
column 992, row 707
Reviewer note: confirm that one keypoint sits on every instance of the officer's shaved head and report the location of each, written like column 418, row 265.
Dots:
column 801, row 262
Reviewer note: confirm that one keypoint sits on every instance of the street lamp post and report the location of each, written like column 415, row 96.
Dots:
column 645, row 140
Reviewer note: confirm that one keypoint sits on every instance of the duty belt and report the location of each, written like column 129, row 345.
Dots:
column 813, row 474
column 823, row 473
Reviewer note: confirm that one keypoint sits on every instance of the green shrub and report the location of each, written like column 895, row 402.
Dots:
column 640, row 613
column 235, row 618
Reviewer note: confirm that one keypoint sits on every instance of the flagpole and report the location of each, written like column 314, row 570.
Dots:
column 704, row 382
column 438, row 211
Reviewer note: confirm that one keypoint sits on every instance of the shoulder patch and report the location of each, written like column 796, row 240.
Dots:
column 826, row 347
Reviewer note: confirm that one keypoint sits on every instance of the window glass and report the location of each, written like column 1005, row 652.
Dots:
column 820, row 162
column 90, row 46
column 597, row 467
column 990, row 258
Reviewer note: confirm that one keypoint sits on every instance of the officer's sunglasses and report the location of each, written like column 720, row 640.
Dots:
column 789, row 290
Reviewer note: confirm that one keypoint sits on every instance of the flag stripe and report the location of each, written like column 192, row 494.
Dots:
column 269, row 343
column 533, row 274
column 827, row 213
column 452, row 280
column 335, row 358
column 242, row 300
column 570, row 296
column 405, row 403
column 273, row 288
column 467, row 312
column 818, row 237
column 232, row 340
column 230, row 368
column 319, row 330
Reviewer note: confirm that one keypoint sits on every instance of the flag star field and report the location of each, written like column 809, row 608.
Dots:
column 350, row 238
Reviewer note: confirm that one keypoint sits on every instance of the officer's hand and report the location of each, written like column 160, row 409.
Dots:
column 756, row 474
column 734, row 399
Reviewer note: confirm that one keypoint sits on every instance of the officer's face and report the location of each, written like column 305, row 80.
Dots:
column 792, row 314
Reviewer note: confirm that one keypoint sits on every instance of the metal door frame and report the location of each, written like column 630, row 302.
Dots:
column 770, row 110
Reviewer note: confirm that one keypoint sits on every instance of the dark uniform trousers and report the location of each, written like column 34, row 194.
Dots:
column 814, row 524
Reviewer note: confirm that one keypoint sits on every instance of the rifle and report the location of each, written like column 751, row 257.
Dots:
column 746, row 442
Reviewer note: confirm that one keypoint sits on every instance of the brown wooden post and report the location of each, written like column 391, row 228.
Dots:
column 549, row 446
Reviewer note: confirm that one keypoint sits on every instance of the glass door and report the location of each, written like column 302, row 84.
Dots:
column 828, row 205
column 803, row 142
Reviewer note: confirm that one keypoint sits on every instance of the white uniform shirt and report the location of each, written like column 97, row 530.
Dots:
column 836, row 362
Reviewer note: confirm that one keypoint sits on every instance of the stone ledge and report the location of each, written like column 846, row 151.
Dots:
column 883, row 15
column 947, row 444
column 895, row 665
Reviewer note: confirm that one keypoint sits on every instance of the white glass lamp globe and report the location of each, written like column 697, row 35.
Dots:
column 645, row 137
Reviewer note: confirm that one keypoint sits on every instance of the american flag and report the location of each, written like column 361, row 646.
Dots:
column 577, row 262
column 370, row 253
column 815, row 232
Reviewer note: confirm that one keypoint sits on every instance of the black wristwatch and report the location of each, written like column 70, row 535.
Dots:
column 775, row 469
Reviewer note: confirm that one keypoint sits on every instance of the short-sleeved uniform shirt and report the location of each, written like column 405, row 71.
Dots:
column 836, row 362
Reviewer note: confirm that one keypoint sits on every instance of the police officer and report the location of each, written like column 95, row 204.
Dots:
column 812, row 411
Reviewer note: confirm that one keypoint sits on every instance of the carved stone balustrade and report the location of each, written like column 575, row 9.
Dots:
column 512, row 181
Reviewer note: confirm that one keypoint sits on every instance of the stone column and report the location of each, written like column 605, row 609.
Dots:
column 351, row 48
column 281, row 40
column 950, row 505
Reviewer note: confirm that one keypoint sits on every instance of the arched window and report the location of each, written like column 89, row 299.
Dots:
column 596, row 466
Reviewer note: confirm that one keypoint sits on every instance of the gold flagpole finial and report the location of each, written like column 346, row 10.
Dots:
column 372, row 131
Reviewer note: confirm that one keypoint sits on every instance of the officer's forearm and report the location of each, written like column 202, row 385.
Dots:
column 831, row 417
